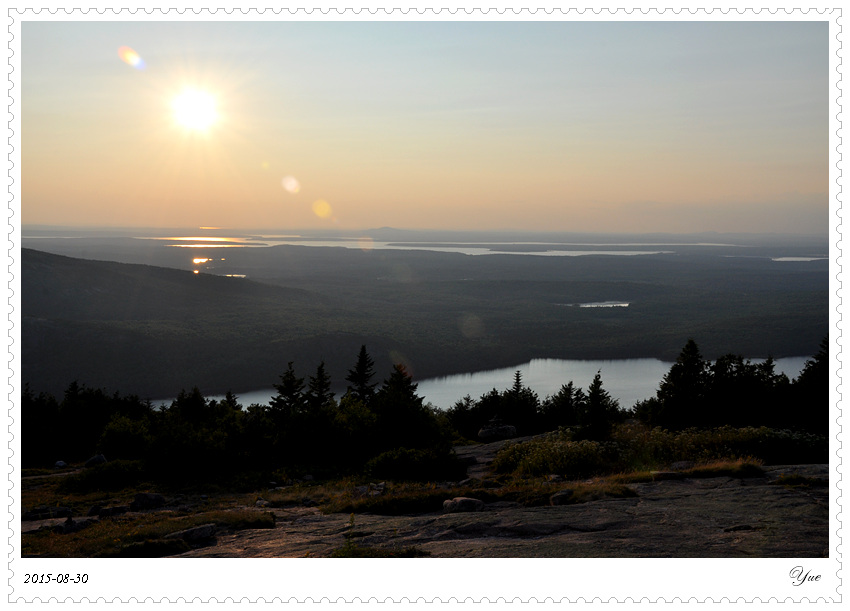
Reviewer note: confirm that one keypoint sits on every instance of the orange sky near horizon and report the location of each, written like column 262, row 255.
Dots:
column 639, row 127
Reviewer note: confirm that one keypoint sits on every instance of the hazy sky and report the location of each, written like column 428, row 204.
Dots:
column 611, row 126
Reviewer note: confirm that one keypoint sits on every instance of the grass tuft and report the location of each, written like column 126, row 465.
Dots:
column 739, row 468
column 795, row 480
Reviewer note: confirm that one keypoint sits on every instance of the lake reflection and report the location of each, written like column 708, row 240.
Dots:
column 627, row 380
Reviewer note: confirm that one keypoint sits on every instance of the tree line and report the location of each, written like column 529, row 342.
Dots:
column 386, row 429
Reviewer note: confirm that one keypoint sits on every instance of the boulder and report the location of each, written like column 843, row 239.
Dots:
column 562, row 497
column 108, row 512
column 462, row 504
column 154, row 548
column 261, row 502
column 72, row 526
column 60, row 464
column 147, row 500
column 199, row 535
column 44, row 513
column 496, row 432
column 97, row 459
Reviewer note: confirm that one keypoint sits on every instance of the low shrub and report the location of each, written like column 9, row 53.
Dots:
column 113, row 475
column 647, row 447
column 391, row 503
column 634, row 447
column 404, row 464
column 554, row 455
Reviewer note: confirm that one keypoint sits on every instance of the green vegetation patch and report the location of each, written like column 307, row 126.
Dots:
column 557, row 455
column 399, row 499
column 636, row 448
column 137, row 535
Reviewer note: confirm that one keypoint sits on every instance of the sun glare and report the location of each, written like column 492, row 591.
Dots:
column 195, row 109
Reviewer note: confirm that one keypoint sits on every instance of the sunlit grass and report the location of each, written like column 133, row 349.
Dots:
column 110, row 536
column 740, row 467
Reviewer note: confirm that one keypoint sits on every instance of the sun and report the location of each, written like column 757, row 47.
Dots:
column 195, row 109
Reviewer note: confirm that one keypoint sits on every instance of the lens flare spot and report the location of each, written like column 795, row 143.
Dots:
column 291, row 184
column 196, row 272
column 199, row 260
column 322, row 209
column 399, row 358
column 194, row 109
column 131, row 58
column 265, row 165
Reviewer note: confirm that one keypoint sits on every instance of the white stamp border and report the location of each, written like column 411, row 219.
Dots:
column 424, row 580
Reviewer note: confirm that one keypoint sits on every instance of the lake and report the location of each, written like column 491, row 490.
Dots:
column 627, row 380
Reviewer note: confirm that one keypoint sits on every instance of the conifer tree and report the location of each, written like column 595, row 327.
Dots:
column 561, row 408
column 811, row 392
column 359, row 378
column 520, row 406
column 319, row 389
column 400, row 390
column 682, row 393
column 599, row 411
column 289, row 400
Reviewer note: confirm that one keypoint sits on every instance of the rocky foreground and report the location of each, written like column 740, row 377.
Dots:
column 675, row 517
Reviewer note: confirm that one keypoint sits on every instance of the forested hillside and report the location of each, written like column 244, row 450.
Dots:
column 152, row 331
